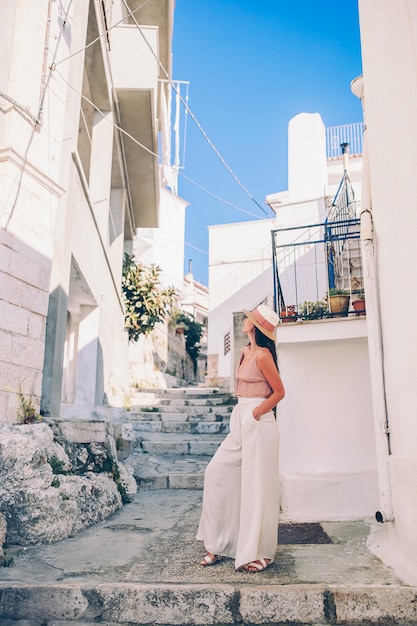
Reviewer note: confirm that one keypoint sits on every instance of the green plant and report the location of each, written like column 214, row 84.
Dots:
column 27, row 413
column 64, row 496
column 336, row 292
column 313, row 310
column 359, row 294
column 55, row 482
column 146, row 303
column 193, row 332
column 58, row 466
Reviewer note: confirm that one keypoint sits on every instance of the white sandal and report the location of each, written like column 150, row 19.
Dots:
column 257, row 566
column 208, row 560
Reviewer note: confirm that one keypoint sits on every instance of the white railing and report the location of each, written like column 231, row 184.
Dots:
column 349, row 133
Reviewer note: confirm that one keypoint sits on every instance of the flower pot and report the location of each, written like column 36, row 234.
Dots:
column 339, row 304
column 288, row 315
column 359, row 306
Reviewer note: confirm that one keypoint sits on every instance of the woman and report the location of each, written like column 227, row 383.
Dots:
column 241, row 485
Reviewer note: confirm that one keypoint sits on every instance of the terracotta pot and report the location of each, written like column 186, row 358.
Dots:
column 288, row 316
column 359, row 307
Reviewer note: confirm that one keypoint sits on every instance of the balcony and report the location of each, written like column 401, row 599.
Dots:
column 312, row 265
column 135, row 72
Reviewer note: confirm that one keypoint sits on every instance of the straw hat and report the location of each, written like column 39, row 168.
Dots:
column 265, row 319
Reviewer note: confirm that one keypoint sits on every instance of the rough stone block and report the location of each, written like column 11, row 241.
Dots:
column 13, row 318
column 29, row 271
column 12, row 289
column 5, row 346
column 186, row 481
column 5, row 254
column 28, row 351
column 164, row 447
column 204, row 447
column 286, row 604
column 152, row 482
column 36, row 326
column 16, row 379
column 182, row 605
column 83, row 431
column 374, row 604
column 35, row 300
column 42, row 602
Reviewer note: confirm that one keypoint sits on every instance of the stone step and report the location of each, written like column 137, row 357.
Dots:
column 168, row 436
column 112, row 603
column 130, row 430
column 178, row 444
column 210, row 414
column 170, row 471
column 182, row 402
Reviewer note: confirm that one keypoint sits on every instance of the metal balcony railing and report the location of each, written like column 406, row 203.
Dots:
column 314, row 262
column 348, row 133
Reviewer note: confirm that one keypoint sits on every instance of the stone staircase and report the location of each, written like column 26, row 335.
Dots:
column 170, row 435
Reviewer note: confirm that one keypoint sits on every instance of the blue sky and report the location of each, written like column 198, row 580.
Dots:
column 252, row 66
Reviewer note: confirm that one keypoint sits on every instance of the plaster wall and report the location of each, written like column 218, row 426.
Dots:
column 388, row 36
column 102, row 370
column 30, row 189
column 327, row 448
column 234, row 245
column 165, row 245
column 307, row 176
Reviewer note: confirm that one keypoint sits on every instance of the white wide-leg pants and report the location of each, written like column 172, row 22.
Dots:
column 240, row 511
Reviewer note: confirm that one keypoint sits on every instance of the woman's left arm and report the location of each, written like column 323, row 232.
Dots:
column 268, row 368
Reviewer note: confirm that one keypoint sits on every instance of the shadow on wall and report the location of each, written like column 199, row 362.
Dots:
column 24, row 280
column 73, row 370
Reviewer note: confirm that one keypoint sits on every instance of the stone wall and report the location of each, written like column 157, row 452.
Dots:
column 56, row 481
column 159, row 360
column 24, row 276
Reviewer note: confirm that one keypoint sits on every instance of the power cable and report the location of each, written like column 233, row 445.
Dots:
column 185, row 104
column 197, row 123
column 124, row 132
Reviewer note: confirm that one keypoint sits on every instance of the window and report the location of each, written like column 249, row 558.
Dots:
column 226, row 343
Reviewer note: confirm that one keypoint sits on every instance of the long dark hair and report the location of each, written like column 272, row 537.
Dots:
column 265, row 342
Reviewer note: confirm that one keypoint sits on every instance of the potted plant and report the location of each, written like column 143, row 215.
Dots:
column 313, row 310
column 358, row 302
column 338, row 300
column 289, row 313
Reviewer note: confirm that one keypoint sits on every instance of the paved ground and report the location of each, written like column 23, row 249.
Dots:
column 142, row 567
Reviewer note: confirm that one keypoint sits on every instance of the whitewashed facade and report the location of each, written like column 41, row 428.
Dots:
column 74, row 188
column 328, row 462
column 389, row 96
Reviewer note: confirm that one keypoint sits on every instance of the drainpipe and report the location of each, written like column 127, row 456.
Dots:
column 381, row 426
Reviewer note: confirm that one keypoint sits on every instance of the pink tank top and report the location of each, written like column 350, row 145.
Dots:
column 250, row 382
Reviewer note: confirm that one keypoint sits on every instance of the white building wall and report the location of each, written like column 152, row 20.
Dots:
column 388, row 37
column 307, row 176
column 164, row 245
column 327, row 452
column 62, row 206
column 30, row 187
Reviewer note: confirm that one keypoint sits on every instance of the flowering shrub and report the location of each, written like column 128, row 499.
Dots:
column 146, row 303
